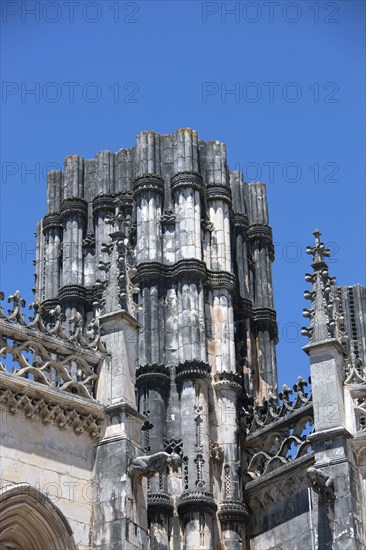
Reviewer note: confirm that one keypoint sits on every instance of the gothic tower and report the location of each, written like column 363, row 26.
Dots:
column 166, row 233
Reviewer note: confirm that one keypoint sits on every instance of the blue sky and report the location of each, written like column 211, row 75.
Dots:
column 101, row 72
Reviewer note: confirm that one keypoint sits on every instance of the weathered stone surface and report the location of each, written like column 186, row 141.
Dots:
column 143, row 409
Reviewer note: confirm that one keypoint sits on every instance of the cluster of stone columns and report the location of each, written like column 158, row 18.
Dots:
column 198, row 239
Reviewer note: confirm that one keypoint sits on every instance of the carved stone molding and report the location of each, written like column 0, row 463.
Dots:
column 229, row 380
column 148, row 182
column 219, row 192
column 217, row 279
column 71, row 293
column 51, row 221
column 150, row 271
column 49, row 406
column 265, row 315
column 159, row 503
column 192, row 180
column 73, row 206
column 191, row 370
column 260, row 232
column 233, row 510
column 103, row 202
column 184, row 268
column 196, row 501
column 149, row 374
column 240, row 221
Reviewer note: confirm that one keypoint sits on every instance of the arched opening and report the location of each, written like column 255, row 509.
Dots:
column 30, row 521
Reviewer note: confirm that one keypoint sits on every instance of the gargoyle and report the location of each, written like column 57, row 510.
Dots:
column 147, row 466
column 321, row 483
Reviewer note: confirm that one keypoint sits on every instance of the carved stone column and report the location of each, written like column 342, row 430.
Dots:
column 260, row 236
column 52, row 231
column 232, row 512
column 196, row 504
column 218, row 204
column 186, row 193
column 72, row 293
column 147, row 191
column 153, row 383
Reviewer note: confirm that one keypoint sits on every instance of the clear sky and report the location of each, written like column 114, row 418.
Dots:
column 80, row 77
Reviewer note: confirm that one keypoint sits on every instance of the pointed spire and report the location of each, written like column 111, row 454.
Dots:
column 325, row 320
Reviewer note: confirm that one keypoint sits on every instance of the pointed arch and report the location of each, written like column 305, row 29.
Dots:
column 30, row 521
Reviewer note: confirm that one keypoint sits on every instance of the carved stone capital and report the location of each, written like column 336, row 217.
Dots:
column 148, row 182
column 74, row 206
column 159, row 503
column 72, row 293
column 260, row 232
column 196, row 501
column 229, row 380
column 265, row 316
column 219, row 192
column 150, row 374
column 51, row 221
column 182, row 180
column 191, row 370
column 103, row 202
column 240, row 221
column 233, row 510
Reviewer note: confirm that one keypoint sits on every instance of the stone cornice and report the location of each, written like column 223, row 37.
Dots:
column 192, row 180
column 50, row 406
column 331, row 433
column 119, row 314
column 283, row 472
column 148, row 271
column 196, row 501
column 322, row 346
column 148, row 182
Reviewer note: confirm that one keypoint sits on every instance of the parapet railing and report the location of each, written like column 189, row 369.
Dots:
column 41, row 351
column 278, row 429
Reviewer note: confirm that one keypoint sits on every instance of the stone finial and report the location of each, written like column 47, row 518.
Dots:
column 77, row 332
column 58, row 316
column 16, row 314
column 36, row 321
column 318, row 251
column 325, row 319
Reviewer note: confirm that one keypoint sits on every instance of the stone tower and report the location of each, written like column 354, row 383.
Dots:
column 145, row 387
column 167, row 234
